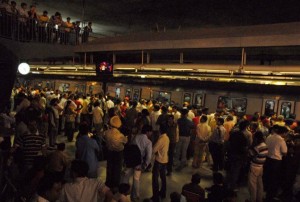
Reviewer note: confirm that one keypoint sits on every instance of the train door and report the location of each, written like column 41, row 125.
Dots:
column 286, row 108
column 269, row 107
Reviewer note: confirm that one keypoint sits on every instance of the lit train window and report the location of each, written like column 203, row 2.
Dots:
column 118, row 91
column 187, row 97
column 239, row 105
column 286, row 108
column 136, row 94
column 198, row 100
column 128, row 93
column 224, row 103
column 269, row 107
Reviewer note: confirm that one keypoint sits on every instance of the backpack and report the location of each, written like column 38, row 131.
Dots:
column 132, row 155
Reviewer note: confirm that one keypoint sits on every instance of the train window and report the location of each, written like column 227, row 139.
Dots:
column 80, row 88
column 118, row 91
column 128, row 93
column 187, row 97
column 64, row 87
column 269, row 107
column 239, row 105
column 198, row 100
column 286, row 108
column 136, row 94
column 224, row 103
column 162, row 96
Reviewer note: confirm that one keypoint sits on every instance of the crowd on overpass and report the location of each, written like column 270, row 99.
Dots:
column 24, row 23
column 137, row 136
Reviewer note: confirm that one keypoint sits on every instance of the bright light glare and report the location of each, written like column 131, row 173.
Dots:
column 24, row 68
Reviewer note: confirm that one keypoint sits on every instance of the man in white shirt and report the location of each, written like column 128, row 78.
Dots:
column 109, row 103
column 277, row 148
column 83, row 188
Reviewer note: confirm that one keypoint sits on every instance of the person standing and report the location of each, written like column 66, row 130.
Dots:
column 185, row 126
column 115, row 142
column 172, row 132
column 216, row 145
column 277, row 148
column 70, row 115
column 160, row 152
column 98, row 117
column 86, row 150
column 258, row 153
column 145, row 147
column 203, row 133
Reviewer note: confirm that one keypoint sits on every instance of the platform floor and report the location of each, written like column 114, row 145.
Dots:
column 174, row 182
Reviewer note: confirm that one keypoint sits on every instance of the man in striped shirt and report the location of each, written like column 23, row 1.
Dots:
column 258, row 153
column 32, row 144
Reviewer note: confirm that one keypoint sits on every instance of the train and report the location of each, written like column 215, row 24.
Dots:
column 246, row 103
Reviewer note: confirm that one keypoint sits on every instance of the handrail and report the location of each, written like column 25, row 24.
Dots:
column 24, row 29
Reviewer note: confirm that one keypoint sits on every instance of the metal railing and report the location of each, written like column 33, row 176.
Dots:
column 16, row 27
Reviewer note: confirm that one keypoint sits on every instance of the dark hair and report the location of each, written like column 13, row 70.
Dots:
column 146, row 128
column 243, row 125
column 83, row 128
column 184, row 112
column 163, row 129
column 229, row 118
column 218, row 178
column 258, row 138
column 156, row 107
column 47, row 182
column 175, row 197
column 164, row 109
column 203, row 119
column 220, row 120
column 79, row 167
column 124, row 188
column 196, row 178
column 23, row 4
column 145, row 112
column 61, row 146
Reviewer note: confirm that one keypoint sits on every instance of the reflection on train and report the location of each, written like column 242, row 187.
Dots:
column 242, row 103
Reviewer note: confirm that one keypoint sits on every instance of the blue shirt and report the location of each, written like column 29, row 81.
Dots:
column 87, row 148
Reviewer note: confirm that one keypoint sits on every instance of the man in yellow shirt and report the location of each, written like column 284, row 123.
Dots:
column 160, row 152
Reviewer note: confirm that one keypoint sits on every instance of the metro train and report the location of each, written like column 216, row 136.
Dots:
column 241, row 102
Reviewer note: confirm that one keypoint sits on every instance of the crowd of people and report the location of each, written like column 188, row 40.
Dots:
column 141, row 136
column 24, row 23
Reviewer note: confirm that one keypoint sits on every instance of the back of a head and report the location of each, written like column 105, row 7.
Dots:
column 80, row 168
column 124, row 188
column 163, row 129
column 84, row 128
column 156, row 107
column 218, row 178
column 175, row 197
column 196, row 178
column 243, row 125
column 258, row 137
column 164, row 109
column 61, row 146
column 184, row 112
column 146, row 128
column 47, row 182
column 203, row 119
column 134, row 104
column 220, row 121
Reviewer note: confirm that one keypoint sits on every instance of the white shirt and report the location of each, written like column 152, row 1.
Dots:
column 97, row 115
column 177, row 116
column 83, row 189
column 191, row 115
column 276, row 146
column 153, row 117
column 145, row 146
column 203, row 132
column 110, row 104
